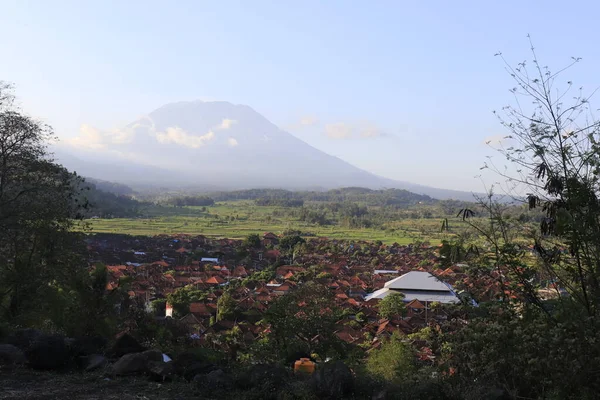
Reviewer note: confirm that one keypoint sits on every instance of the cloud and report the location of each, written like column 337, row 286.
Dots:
column 94, row 139
column 309, row 120
column 232, row 142
column 122, row 136
column 371, row 132
column 226, row 123
column 176, row 135
column 89, row 138
column 339, row 130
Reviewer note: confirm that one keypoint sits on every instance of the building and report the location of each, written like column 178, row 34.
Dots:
column 418, row 285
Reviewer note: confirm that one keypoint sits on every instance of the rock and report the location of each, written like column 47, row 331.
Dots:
column 126, row 344
column 87, row 346
column 188, row 365
column 134, row 363
column 267, row 377
column 197, row 368
column 24, row 338
column 11, row 355
column 48, row 352
column 217, row 379
column 333, row 380
column 95, row 361
column 160, row 371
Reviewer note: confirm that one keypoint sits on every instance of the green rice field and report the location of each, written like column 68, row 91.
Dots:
column 239, row 219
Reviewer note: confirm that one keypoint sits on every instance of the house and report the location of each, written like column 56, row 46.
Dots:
column 192, row 324
column 270, row 238
column 418, row 285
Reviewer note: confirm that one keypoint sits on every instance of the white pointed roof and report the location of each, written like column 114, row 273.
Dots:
column 417, row 280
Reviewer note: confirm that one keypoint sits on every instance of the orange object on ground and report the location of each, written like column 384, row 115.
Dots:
column 305, row 366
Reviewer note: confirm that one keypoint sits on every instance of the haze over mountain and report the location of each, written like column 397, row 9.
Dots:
column 216, row 145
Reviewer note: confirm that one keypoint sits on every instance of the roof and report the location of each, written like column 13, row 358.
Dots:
column 421, row 295
column 417, row 280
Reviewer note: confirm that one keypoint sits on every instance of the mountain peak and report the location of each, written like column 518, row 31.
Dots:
column 231, row 146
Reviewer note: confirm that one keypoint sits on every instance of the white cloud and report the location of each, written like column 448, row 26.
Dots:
column 95, row 139
column 89, row 138
column 232, row 142
column 226, row 123
column 309, row 120
column 176, row 135
column 339, row 130
column 122, row 136
column 371, row 132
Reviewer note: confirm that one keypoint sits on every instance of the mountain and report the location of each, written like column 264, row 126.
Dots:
column 222, row 146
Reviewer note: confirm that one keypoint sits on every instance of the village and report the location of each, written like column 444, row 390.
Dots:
column 358, row 274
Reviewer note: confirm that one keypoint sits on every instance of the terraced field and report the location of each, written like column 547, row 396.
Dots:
column 241, row 218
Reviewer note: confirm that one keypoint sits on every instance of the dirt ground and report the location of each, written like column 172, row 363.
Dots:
column 25, row 384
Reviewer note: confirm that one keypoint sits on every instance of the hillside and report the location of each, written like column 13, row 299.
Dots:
column 222, row 146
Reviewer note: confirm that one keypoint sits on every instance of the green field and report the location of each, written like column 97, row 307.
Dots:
column 241, row 218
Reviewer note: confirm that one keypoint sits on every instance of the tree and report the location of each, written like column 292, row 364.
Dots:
column 287, row 243
column 38, row 203
column 305, row 319
column 252, row 241
column 521, row 341
column 394, row 361
column 392, row 305
column 225, row 306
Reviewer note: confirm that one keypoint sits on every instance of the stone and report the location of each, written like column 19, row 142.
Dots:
column 160, row 371
column 24, row 338
column 95, row 361
column 126, row 344
column 87, row 345
column 134, row 363
column 48, row 352
column 11, row 355
column 188, row 365
column 214, row 380
column 264, row 376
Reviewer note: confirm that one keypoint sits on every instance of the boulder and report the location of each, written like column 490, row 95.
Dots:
column 214, row 380
column 134, row 363
column 126, row 344
column 11, row 355
column 48, row 352
column 87, row 345
column 24, row 338
column 333, row 380
column 188, row 365
column 94, row 362
column 264, row 376
column 160, row 371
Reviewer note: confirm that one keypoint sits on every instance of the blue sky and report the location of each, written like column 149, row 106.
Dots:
column 419, row 79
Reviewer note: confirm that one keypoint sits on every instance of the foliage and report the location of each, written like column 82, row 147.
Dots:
column 252, row 241
column 304, row 320
column 547, row 301
column 181, row 299
column 393, row 361
column 392, row 305
column 38, row 201
column 191, row 201
column 288, row 243
column 225, row 306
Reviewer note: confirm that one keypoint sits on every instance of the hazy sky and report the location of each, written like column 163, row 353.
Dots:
column 404, row 89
